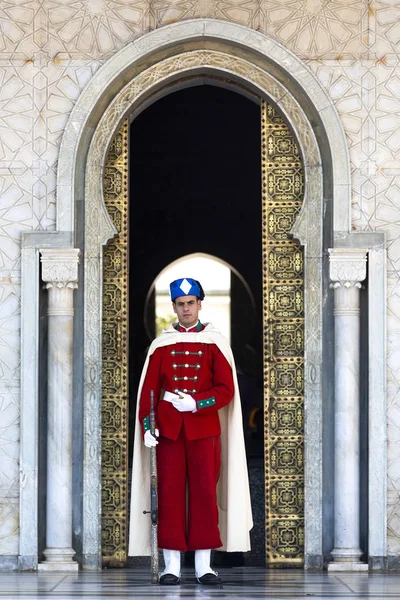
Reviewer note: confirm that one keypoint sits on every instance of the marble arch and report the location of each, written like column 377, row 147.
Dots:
column 125, row 85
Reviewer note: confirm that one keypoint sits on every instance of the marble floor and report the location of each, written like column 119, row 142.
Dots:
column 244, row 583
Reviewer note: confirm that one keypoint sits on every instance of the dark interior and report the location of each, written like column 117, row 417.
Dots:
column 195, row 186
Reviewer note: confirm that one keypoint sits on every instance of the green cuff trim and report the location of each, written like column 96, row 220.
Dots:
column 205, row 403
column 146, row 424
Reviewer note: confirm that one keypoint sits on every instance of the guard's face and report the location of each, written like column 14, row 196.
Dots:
column 187, row 308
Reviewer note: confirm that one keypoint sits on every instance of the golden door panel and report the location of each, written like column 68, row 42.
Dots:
column 283, row 325
column 115, row 358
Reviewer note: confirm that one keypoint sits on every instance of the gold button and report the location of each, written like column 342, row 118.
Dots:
column 198, row 366
column 174, row 366
column 175, row 378
column 200, row 353
column 185, row 390
column 187, row 352
column 186, row 366
column 185, row 378
column 193, row 391
column 195, row 378
column 173, row 352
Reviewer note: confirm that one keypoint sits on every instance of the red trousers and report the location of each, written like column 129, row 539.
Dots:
column 188, row 472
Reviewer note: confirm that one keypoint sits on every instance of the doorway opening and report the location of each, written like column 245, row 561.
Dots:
column 268, row 350
column 195, row 188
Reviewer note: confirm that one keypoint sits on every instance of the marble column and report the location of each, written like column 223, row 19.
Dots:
column 347, row 271
column 60, row 274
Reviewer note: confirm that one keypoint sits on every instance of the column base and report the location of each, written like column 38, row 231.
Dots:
column 347, row 566
column 347, row 559
column 58, row 559
column 343, row 555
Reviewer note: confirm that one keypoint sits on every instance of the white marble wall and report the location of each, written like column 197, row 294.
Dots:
column 49, row 50
column 366, row 90
column 9, row 410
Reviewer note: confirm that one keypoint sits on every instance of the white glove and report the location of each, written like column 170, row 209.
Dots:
column 150, row 440
column 184, row 403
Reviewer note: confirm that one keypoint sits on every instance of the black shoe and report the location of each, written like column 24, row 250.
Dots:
column 209, row 579
column 169, row 579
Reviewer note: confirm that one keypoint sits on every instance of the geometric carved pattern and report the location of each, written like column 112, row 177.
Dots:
column 318, row 28
column 115, row 358
column 283, row 322
column 285, row 300
column 96, row 28
column 281, row 219
column 286, row 537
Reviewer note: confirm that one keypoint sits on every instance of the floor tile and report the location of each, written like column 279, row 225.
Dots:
column 239, row 584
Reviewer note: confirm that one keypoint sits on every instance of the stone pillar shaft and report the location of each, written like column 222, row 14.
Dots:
column 347, row 270
column 60, row 272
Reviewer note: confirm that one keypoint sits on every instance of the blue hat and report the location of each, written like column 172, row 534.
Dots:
column 186, row 287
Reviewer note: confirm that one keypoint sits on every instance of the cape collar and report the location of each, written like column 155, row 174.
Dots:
column 208, row 335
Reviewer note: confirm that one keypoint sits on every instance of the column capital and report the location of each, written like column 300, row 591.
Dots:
column 347, row 267
column 60, row 274
column 60, row 266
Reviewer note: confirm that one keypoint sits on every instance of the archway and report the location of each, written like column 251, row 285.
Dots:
column 312, row 205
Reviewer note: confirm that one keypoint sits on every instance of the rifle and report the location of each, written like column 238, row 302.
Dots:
column 153, row 496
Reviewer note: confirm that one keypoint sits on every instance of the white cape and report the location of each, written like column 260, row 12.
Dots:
column 233, row 493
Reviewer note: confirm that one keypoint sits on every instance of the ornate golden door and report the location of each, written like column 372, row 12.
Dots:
column 283, row 327
column 115, row 359
column 283, row 322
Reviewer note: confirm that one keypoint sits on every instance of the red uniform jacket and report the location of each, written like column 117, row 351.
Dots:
column 200, row 370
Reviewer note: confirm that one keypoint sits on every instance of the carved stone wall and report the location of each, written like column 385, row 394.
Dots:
column 50, row 54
